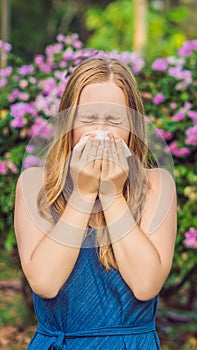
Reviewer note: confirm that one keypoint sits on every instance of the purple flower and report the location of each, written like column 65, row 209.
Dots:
column 3, row 168
column 158, row 98
column 23, row 83
column 173, row 105
column 11, row 166
column 179, row 116
column 187, row 105
column 31, row 161
column 19, row 110
column 53, row 49
column 60, row 37
column 41, row 128
column 192, row 115
column 69, row 55
column 3, row 82
column 160, row 64
column 39, row 59
column 5, row 72
column 191, row 136
column 14, row 95
column 27, row 69
column 175, row 72
column 167, row 135
column 30, row 148
column 48, row 85
column 179, row 74
column 178, row 152
column 5, row 46
column 175, row 61
column 190, row 238
column 186, row 49
column 44, row 68
column 77, row 44
column 68, row 40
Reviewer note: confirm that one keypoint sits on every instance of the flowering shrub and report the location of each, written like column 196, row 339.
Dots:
column 31, row 94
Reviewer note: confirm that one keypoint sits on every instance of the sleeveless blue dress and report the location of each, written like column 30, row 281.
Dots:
column 94, row 310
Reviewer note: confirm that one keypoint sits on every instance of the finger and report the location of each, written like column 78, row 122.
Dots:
column 98, row 159
column 87, row 149
column 107, row 146
column 122, row 158
column 93, row 151
column 79, row 147
column 105, row 160
column 77, row 151
column 114, row 150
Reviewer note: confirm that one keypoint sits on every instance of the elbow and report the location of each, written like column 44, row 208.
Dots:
column 43, row 291
column 145, row 292
column 41, row 285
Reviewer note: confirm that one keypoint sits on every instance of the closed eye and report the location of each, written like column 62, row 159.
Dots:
column 113, row 121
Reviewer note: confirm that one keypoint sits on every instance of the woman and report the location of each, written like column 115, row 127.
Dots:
column 90, row 195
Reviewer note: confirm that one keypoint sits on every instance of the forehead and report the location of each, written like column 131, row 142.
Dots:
column 106, row 92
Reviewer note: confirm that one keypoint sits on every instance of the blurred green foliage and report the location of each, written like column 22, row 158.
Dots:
column 114, row 28
column 101, row 24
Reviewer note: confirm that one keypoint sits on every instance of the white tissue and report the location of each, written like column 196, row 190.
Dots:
column 102, row 134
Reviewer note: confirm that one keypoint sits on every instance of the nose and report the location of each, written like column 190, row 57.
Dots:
column 101, row 126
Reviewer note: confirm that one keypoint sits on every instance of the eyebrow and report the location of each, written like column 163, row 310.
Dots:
column 90, row 115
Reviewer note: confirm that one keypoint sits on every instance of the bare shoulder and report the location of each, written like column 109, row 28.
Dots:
column 160, row 178
column 161, row 200
column 30, row 178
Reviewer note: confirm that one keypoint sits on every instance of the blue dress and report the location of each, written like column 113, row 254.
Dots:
column 94, row 310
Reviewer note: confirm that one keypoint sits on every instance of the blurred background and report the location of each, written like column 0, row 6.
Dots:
column 41, row 43
column 153, row 27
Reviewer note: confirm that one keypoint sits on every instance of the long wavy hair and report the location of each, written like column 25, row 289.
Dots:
column 96, row 70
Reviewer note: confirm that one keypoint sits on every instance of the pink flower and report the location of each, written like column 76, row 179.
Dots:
column 186, row 49
column 5, row 46
column 44, row 68
column 192, row 115
column 178, row 152
column 173, row 105
column 27, row 69
column 39, row 59
column 18, row 111
column 191, row 136
column 3, row 82
column 160, row 64
column 5, row 72
column 10, row 165
column 60, row 37
column 31, row 161
column 179, row 116
column 167, row 135
column 190, row 238
column 68, row 40
column 41, row 128
column 77, row 44
column 30, row 148
column 3, row 168
column 158, row 98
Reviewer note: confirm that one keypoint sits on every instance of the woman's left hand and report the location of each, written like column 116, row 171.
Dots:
column 115, row 168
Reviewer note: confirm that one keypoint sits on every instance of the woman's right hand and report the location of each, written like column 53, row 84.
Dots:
column 85, row 166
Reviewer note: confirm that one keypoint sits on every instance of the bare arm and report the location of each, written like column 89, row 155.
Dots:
column 144, row 254
column 45, row 255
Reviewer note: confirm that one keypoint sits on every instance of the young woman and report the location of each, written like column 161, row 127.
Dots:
column 95, row 228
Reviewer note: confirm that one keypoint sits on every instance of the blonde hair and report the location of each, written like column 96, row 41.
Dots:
column 97, row 70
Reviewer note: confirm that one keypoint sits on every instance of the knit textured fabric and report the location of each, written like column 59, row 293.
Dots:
column 94, row 310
